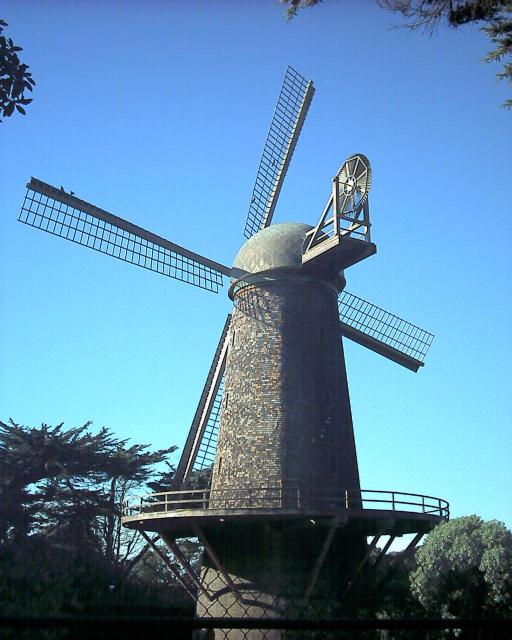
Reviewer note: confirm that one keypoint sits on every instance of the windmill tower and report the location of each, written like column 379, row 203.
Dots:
column 282, row 516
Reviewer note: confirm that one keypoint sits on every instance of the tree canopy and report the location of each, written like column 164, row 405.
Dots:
column 15, row 78
column 61, row 492
column 465, row 569
column 494, row 17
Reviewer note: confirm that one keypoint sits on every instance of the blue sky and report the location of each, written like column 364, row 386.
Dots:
column 157, row 112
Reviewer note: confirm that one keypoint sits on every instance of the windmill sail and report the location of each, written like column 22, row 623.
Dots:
column 199, row 450
column 57, row 212
column 289, row 115
column 383, row 332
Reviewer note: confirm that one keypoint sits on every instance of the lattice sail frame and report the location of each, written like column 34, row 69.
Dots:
column 53, row 210
column 208, row 445
column 289, row 115
column 201, row 444
column 383, row 332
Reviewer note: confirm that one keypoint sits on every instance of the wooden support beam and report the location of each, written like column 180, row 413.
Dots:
column 320, row 560
column 216, row 560
column 413, row 543
column 384, row 551
column 360, row 566
column 410, row 547
column 172, row 568
column 183, row 560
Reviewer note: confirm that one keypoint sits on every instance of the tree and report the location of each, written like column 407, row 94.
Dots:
column 62, row 546
column 465, row 569
column 68, row 481
column 295, row 5
column 67, row 487
column 495, row 16
column 15, row 78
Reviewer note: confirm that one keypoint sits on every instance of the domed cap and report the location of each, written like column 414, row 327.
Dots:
column 276, row 247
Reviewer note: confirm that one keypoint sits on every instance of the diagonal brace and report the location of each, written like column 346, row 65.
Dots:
column 183, row 560
column 170, row 566
column 367, row 555
column 320, row 560
column 216, row 560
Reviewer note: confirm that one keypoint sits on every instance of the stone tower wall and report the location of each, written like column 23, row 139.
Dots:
column 286, row 418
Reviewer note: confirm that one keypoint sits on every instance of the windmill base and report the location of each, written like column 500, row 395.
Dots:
column 280, row 562
column 277, row 571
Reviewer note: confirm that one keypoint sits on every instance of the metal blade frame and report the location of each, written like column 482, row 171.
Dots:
column 383, row 332
column 289, row 115
column 201, row 444
column 54, row 211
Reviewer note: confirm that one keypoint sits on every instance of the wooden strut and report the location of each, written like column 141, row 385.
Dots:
column 405, row 552
column 320, row 560
column 384, row 551
column 314, row 234
column 180, row 556
column 413, row 543
column 216, row 560
column 173, row 569
column 359, row 568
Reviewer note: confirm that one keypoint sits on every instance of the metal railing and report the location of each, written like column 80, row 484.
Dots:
column 301, row 498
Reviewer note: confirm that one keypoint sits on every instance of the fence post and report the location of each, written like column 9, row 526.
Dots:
column 423, row 503
column 393, row 500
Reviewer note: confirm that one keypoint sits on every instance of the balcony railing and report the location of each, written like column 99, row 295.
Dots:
column 277, row 498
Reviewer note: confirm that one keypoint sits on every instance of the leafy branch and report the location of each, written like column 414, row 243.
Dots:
column 15, row 78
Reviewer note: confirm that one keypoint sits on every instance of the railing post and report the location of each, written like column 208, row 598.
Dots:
column 423, row 503
column 140, row 506
column 298, row 497
column 204, row 499
column 346, row 498
column 166, row 502
column 393, row 500
column 440, row 509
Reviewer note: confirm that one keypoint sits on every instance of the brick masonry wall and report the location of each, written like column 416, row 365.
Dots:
column 286, row 416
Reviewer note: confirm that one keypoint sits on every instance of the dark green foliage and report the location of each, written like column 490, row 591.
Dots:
column 15, row 78
column 62, row 545
column 465, row 569
column 50, row 579
column 66, row 482
column 494, row 16
column 201, row 479
column 295, row 5
column 499, row 31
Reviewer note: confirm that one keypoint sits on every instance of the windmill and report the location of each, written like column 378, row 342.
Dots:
column 272, row 433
